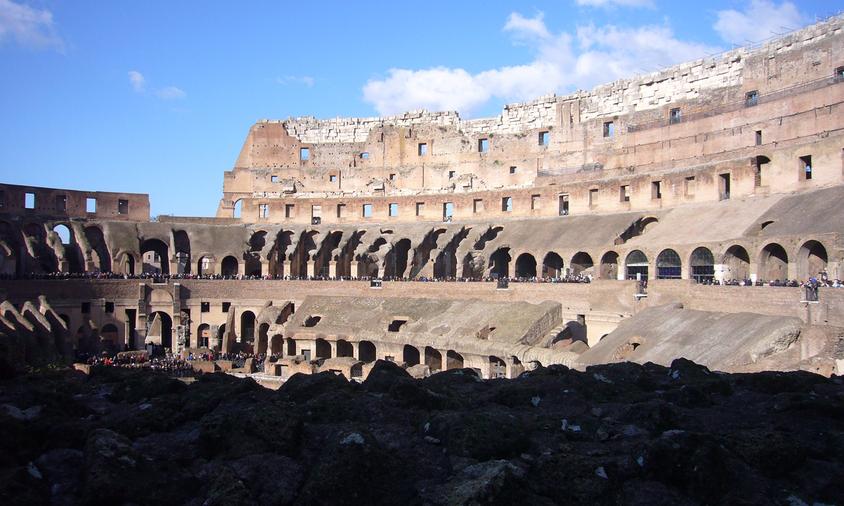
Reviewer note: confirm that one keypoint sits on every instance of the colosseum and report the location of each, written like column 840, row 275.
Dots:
column 690, row 212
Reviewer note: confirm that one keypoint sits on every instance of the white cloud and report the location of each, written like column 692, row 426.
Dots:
column 761, row 20
column 139, row 85
column 562, row 62
column 137, row 80
column 170, row 93
column 307, row 81
column 616, row 3
column 28, row 27
column 527, row 27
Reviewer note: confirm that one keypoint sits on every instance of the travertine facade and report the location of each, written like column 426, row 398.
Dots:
column 729, row 168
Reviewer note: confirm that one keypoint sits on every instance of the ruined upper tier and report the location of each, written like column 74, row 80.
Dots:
column 746, row 122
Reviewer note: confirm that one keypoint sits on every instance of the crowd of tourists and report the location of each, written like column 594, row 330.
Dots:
column 169, row 363
column 822, row 280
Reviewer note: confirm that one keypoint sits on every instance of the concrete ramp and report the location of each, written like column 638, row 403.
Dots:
column 723, row 341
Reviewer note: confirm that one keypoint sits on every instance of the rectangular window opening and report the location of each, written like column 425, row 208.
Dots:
column 624, row 193
column 477, row 206
column 507, row 204
column 609, row 129
column 656, row 190
column 61, row 203
column 332, row 178
column 563, row 205
column 263, row 210
column 422, row 148
column 109, row 307
column 316, row 215
column 91, row 205
column 86, row 308
column 392, row 177
column 513, row 169
column 483, row 145
column 364, row 155
column 394, row 210
column 534, row 202
column 544, row 138
column 122, row 206
column 29, row 200
column 839, row 74
column 751, row 98
column 420, row 208
column 451, row 174
column 448, row 211
column 304, row 154
column 689, row 186
column 759, row 137
column 593, row 197
column 205, row 307
column 289, row 210
column 724, row 186
column 226, row 306
column 806, row 166
column 674, row 116
column 341, row 210
column 367, row 210
column 273, row 179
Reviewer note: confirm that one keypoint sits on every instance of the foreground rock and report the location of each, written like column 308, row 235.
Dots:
column 622, row 433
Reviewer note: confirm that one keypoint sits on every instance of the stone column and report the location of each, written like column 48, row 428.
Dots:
column 333, row 345
column 355, row 349
column 332, row 269
column 311, row 267
column 285, row 266
column 265, row 267
column 353, row 270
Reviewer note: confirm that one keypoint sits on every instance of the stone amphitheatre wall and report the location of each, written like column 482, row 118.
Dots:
column 618, row 147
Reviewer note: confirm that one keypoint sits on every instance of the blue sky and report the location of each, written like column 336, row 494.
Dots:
column 157, row 96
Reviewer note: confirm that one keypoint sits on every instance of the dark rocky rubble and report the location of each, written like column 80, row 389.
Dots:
column 614, row 434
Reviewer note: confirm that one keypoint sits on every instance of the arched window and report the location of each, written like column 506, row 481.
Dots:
column 702, row 265
column 668, row 265
column 636, row 265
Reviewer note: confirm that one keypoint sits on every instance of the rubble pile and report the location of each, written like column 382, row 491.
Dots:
column 618, row 433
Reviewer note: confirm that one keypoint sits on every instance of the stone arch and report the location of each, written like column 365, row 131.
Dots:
column 277, row 344
column 609, row 265
column 433, row 359
column 552, row 265
column 165, row 339
column 205, row 265
column 228, row 267
column 155, row 257
column 345, row 348
column 702, row 265
column 203, row 336
column 252, row 258
column 497, row 367
column 453, row 360
column 237, row 208
column 110, row 338
column 736, row 260
column 410, row 355
column 581, row 263
column 526, row 266
column 72, row 253
column 99, row 250
column 263, row 339
column 247, row 329
column 668, row 265
column 291, row 350
column 366, row 351
column 773, row 263
column 812, row 259
column 499, row 263
column 181, row 243
column 396, row 261
column 636, row 265
column 322, row 348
